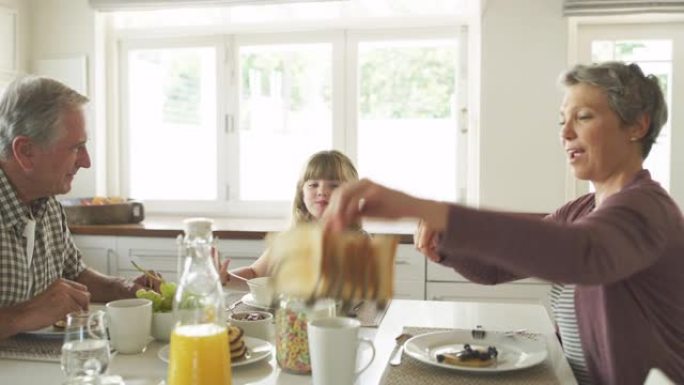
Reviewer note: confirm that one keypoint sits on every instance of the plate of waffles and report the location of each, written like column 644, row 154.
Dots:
column 243, row 350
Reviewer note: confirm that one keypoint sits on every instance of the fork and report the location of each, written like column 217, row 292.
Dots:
column 478, row 333
column 147, row 272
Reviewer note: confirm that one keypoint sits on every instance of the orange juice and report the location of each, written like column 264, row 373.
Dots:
column 199, row 355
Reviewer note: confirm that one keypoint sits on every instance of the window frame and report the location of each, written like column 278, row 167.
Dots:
column 584, row 30
column 344, row 42
column 460, row 33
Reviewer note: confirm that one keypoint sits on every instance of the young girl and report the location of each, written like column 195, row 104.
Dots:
column 324, row 172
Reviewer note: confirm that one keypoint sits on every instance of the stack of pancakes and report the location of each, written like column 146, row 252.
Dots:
column 238, row 349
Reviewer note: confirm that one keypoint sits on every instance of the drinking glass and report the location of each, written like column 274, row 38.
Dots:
column 85, row 352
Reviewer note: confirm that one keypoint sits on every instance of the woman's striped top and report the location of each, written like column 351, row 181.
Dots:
column 563, row 307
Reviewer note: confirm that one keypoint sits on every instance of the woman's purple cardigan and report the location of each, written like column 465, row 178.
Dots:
column 626, row 258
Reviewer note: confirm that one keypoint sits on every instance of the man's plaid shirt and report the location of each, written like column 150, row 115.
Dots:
column 54, row 253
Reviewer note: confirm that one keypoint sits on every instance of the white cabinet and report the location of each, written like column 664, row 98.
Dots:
column 98, row 252
column 409, row 273
column 158, row 254
column 518, row 292
column 439, row 273
column 161, row 254
column 242, row 253
column 113, row 254
column 445, row 284
column 415, row 277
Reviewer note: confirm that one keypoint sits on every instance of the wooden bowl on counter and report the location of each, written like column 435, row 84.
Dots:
column 103, row 211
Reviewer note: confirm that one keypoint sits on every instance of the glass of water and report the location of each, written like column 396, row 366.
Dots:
column 85, row 352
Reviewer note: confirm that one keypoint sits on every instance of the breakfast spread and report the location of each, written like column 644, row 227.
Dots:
column 238, row 349
column 469, row 356
column 349, row 265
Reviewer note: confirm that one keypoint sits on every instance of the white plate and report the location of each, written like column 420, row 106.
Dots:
column 47, row 332
column 516, row 352
column 248, row 300
column 257, row 350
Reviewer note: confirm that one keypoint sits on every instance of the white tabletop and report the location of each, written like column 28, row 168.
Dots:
column 148, row 369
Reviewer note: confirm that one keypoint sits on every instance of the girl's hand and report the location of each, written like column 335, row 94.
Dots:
column 223, row 271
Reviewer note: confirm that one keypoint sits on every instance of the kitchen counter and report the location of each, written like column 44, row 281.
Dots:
column 228, row 228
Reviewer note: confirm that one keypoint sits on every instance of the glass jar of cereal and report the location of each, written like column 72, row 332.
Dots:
column 292, row 343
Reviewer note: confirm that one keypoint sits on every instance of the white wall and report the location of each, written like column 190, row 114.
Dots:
column 65, row 29
column 523, row 51
column 524, row 45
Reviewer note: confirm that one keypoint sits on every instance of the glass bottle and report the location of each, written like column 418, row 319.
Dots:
column 292, row 341
column 200, row 353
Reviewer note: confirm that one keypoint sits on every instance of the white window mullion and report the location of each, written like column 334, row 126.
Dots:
column 463, row 115
column 339, row 82
column 229, row 158
column 122, row 156
column 351, row 100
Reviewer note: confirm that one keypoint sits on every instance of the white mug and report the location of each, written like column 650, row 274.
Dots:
column 333, row 344
column 130, row 321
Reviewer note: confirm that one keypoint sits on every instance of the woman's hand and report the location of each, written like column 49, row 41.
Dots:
column 425, row 239
column 365, row 198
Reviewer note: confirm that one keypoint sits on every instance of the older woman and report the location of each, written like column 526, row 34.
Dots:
column 616, row 255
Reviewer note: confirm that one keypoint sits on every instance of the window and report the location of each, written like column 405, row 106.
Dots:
column 224, row 122
column 407, row 97
column 654, row 46
column 172, row 130
column 285, row 115
column 654, row 57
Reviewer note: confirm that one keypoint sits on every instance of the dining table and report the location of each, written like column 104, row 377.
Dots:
column 148, row 369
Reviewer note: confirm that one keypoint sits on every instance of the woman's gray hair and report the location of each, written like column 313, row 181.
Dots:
column 630, row 94
column 33, row 106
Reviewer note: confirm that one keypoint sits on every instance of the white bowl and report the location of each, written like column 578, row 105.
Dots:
column 261, row 290
column 262, row 328
column 162, row 325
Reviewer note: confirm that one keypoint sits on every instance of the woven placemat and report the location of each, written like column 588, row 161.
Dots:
column 412, row 371
column 34, row 348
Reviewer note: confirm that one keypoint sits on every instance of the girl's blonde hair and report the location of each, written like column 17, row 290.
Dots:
column 327, row 165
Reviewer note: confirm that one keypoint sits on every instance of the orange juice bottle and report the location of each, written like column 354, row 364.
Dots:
column 200, row 352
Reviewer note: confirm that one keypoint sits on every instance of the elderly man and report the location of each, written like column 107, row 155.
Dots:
column 42, row 146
